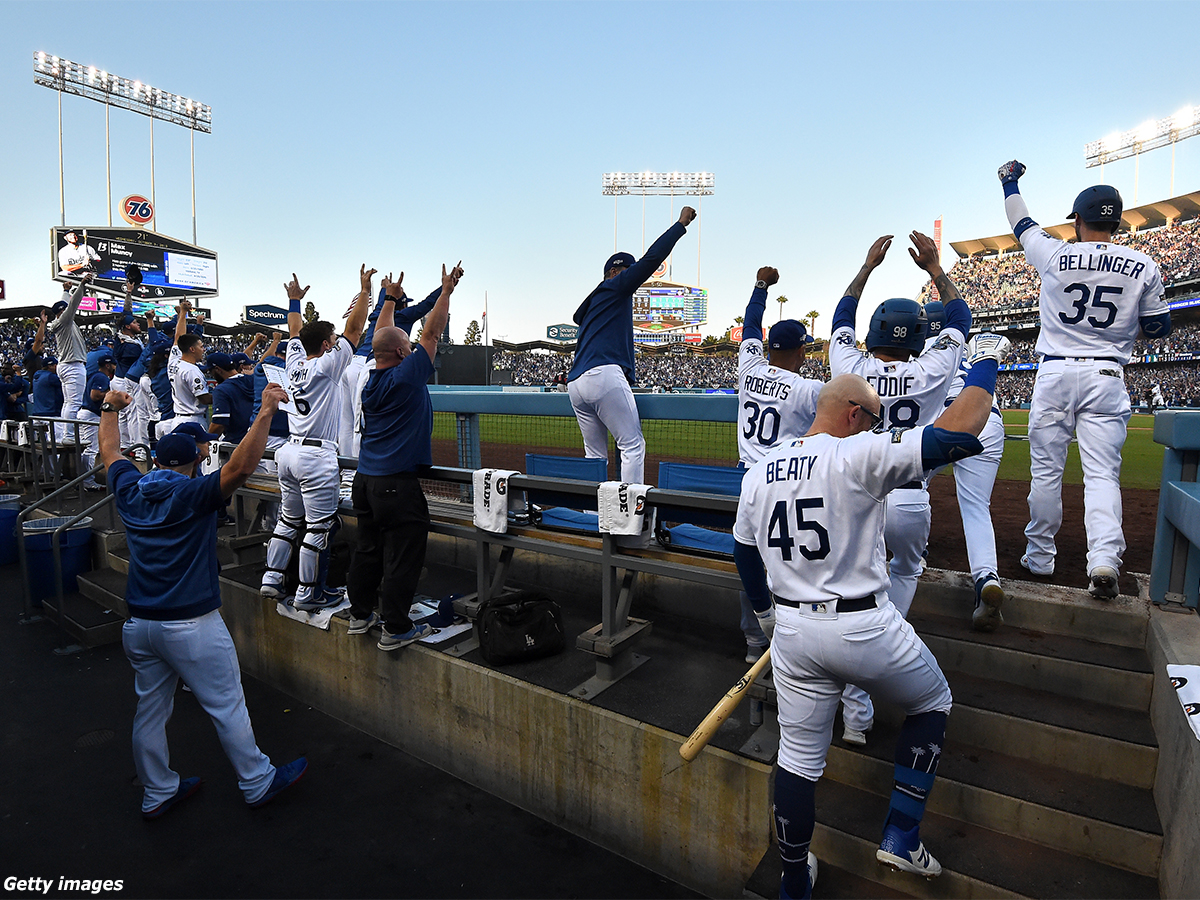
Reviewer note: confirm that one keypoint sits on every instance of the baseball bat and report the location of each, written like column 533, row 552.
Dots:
column 706, row 729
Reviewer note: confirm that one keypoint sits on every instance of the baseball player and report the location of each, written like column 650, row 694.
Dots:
column 1094, row 297
column 812, row 511
column 974, row 479
column 75, row 257
column 913, row 388
column 599, row 381
column 97, row 386
column 775, row 405
column 72, row 353
column 127, row 353
column 190, row 396
column 308, row 467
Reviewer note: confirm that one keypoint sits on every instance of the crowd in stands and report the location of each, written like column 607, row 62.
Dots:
column 14, row 334
column 1007, row 286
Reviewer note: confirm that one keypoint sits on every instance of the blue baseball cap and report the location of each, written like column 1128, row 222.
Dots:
column 195, row 431
column 788, row 335
column 220, row 360
column 104, row 359
column 241, row 359
column 126, row 321
column 619, row 259
column 49, row 361
column 176, row 449
column 58, row 308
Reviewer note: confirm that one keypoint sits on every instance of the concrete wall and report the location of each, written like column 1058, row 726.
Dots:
column 1174, row 639
column 608, row 778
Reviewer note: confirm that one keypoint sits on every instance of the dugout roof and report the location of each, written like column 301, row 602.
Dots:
column 1151, row 215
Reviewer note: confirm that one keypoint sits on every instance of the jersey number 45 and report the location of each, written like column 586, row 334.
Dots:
column 779, row 531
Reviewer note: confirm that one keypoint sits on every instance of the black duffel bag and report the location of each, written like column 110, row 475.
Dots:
column 519, row 626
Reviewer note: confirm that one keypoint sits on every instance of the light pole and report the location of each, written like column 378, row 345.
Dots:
column 65, row 76
column 650, row 184
column 1150, row 135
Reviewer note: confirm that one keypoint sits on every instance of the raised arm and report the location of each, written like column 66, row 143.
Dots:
column 76, row 297
column 1014, row 204
column 295, row 295
column 254, row 342
column 847, row 308
column 393, row 293
column 181, row 312
column 924, row 253
column 39, row 339
column 362, row 306
column 440, row 314
column 273, row 347
column 752, row 329
column 109, row 430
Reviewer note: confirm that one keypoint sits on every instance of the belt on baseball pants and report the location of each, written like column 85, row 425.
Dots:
column 911, row 486
column 1110, row 359
column 844, row 605
column 313, row 442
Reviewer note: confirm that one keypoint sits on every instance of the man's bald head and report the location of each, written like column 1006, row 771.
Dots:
column 390, row 346
column 846, row 405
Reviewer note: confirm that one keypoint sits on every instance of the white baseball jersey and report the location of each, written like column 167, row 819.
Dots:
column 913, row 392
column 1092, row 295
column 188, row 384
column 315, row 388
column 774, row 405
column 74, row 257
column 814, row 507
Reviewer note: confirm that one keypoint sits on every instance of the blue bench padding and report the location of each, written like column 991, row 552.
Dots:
column 564, row 510
column 702, row 480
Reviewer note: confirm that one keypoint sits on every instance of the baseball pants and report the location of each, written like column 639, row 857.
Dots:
column 149, row 408
column 906, row 534
column 974, row 478
column 1086, row 397
column 603, row 404
column 164, row 427
column 132, row 420
column 308, row 503
column 89, row 436
column 815, row 655
column 74, row 377
column 201, row 652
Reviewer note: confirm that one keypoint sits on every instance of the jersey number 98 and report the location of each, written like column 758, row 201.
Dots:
column 779, row 531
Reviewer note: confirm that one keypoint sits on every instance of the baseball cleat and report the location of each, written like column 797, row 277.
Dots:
column 1104, row 583
column 904, row 852
column 271, row 591
column 852, row 736
column 812, row 881
column 187, row 787
column 321, row 601
column 285, row 777
column 988, row 598
column 1026, row 564
column 362, row 626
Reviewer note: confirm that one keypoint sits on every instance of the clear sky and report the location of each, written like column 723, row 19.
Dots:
column 405, row 135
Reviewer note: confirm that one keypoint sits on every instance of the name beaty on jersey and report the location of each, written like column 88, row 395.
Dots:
column 790, row 469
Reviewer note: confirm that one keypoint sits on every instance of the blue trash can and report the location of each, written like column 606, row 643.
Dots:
column 10, row 508
column 76, row 546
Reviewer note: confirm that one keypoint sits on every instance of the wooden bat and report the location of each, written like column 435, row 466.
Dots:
column 706, row 729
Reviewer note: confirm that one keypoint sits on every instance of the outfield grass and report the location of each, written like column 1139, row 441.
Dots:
column 1142, row 466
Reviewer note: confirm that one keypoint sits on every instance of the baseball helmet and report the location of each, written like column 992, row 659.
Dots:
column 1099, row 205
column 936, row 314
column 899, row 324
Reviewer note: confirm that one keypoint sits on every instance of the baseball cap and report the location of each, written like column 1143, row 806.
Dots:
column 58, row 308
column 104, row 359
column 220, row 360
column 175, row 449
column 49, row 361
column 788, row 335
column 195, row 431
column 126, row 321
column 619, row 259
column 241, row 359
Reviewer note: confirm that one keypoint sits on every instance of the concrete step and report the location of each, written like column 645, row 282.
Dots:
column 1061, row 664
column 106, row 587
column 1102, row 820
column 1045, row 608
column 976, row 862
column 86, row 622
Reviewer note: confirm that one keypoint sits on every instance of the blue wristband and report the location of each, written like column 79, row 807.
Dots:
column 294, row 306
column 983, row 374
column 1011, row 187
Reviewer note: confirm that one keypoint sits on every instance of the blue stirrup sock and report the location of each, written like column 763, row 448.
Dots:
column 795, row 814
column 918, row 750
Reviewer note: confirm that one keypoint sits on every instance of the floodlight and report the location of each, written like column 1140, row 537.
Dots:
column 1146, row 131
column 1184, row 118
column 1150, row 135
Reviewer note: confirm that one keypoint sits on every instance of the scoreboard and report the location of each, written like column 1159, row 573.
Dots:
column 170, row 269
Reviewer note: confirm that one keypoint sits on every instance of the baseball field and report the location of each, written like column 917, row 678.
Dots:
column 716, row 443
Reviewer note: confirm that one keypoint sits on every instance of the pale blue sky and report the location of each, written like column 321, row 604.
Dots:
column 405, row 135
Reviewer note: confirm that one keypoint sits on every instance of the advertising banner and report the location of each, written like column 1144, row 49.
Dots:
column 562, row 332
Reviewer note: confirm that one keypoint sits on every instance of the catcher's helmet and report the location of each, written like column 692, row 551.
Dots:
column 1099, row 205
column 936, row 314
column 899, row 324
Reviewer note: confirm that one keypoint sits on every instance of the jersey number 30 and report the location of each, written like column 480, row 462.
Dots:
column 757, row 423
column 779, row 532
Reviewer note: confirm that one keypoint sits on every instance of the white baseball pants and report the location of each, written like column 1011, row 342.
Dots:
column 89, row 436
column 73, row 377
column 308, row 499
column 603, row 404
column 906, row 534
column 1088, row 398
column 974, row 478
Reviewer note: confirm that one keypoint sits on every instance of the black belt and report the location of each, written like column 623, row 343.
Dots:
column 911, row 486
column 1097, row 358
column 856, row 604
column 312, row 442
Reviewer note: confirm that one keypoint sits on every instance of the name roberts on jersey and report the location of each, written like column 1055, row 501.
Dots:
column 766, row 387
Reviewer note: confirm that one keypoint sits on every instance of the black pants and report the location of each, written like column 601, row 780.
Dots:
column 393, row 530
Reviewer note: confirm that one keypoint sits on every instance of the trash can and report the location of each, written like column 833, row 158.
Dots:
column 10, row 508
column 76, row 546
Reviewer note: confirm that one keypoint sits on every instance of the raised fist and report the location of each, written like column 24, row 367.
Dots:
column 769, row 274
column 1010, row 171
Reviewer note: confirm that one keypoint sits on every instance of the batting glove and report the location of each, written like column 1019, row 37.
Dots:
column 766, row 621
column 1010, row 171
column 987, row 346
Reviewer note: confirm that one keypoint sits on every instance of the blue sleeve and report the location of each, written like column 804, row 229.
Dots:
column 220, row 400
column 119, row 474
column 1156, row 326
column 983, row 374
column 940, row 447
column 405, row 318
column 752, row 323
column 958, row 315
column 633, row 277
column 754, row 577
column 844, row 315
column 7, row 387
column 364, row 343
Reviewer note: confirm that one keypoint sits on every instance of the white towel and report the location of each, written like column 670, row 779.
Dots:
column 622, row 507
column 491, row 499
column 1186, row 680
column 318, row 618
column 23, row 434
column 8, row 431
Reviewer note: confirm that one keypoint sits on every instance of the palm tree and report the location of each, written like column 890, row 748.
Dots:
column 782, row 298
column 812, row 321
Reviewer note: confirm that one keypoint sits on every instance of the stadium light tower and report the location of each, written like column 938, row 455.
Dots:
column 1150, row 135
column 659, row 184
column 65, row 76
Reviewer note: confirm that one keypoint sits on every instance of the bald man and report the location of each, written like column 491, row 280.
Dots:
column 396, row 445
